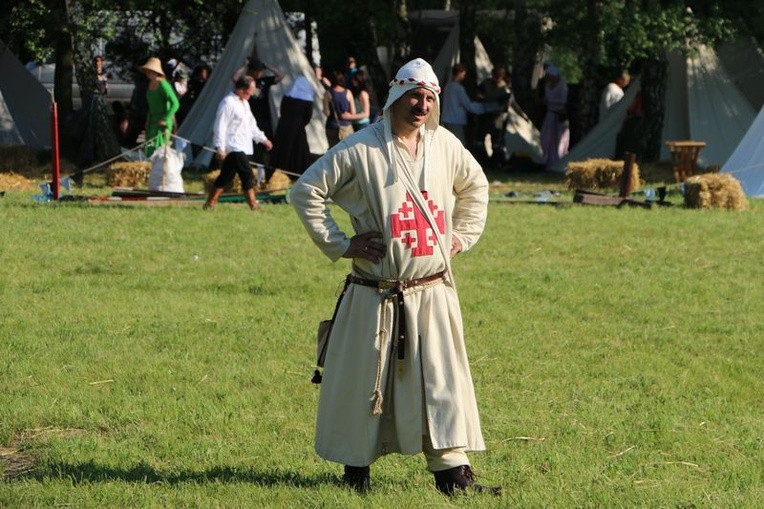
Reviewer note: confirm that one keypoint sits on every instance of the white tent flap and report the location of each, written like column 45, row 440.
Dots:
column 24, row 104
column 262, row 30
column 747, row 161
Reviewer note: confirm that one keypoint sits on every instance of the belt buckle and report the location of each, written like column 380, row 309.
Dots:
column 386, row 285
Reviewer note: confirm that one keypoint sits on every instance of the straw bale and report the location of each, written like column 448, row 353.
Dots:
column 19, row 159
column 278, row 181
column 129, row 174
column 714, row 191
column 598, row 174
column 13, row 182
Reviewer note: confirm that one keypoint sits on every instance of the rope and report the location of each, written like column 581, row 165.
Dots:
column 174, row 136
column 119, row 156
column 255, row 165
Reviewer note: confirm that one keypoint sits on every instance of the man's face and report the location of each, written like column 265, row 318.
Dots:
column 414, row 107
column 246, row 93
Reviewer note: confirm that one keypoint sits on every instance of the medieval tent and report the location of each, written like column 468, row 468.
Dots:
column 260, row 32
column 704, row 102
column 520, row 135
column 747, row 161
column 24, row 105
column 601, row 140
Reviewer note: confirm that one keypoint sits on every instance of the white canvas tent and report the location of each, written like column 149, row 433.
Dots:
column 24, row 105
column 520, row 135
column 747, row 161
column 260, row 31
column 703, row 102
column 449, row 55
column 600, row 141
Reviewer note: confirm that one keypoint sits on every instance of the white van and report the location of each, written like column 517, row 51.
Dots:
column 119, row 89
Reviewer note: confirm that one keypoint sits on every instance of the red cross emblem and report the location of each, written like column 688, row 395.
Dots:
column 410, row 225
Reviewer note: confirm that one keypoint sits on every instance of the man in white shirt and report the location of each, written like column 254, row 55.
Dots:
column 613, row 93
column 234, row 129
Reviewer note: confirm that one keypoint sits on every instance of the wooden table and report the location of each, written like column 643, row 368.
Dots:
column 684, row 157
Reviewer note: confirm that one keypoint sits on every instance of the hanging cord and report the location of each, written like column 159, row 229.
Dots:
column 257, row 165
column 119, row 156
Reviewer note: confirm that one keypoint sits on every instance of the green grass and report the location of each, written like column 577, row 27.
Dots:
column 161, row 356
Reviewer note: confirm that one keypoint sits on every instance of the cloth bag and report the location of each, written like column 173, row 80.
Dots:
column 324, row 333
column 166, row 168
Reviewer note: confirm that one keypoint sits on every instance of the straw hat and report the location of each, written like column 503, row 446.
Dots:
column 152, row 64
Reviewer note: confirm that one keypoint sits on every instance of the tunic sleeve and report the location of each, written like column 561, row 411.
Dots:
column 471, row 207
column 309, row 197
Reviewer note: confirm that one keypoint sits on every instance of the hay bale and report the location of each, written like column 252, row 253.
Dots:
column 714, row 191
column 20, row 159
column 278, row 181
column 598, row 174
column 128, row 174
column 13, row 182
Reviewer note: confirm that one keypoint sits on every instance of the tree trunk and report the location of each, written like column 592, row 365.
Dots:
column 376, row 73
column 62, row 80
column 99, row 140
column 587, row 110
column 526, row 45
column 654, row 82
column 401, row 47
column 467, row 32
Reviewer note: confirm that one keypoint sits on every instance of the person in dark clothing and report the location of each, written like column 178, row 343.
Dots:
column 291, row 151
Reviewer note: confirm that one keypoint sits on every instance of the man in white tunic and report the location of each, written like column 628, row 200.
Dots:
column 613, row 92
column 396, row 375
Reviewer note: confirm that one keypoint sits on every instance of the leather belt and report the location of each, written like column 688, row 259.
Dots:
column 397, row 288
column 398, row 285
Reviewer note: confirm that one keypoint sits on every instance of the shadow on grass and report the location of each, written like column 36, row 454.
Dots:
column 91, row 472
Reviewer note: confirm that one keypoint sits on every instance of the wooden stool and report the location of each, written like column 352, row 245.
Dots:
column 684, row 157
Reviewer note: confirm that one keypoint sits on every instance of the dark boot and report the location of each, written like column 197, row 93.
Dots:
column 358, row 478
column 251, row 198
column 212, row 199
column 461, row 478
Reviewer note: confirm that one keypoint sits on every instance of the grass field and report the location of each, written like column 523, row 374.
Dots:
column 161, row 357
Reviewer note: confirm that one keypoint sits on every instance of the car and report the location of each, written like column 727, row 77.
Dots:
column 119, row 88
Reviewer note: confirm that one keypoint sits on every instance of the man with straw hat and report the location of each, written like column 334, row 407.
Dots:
column 162, row 103
column 396, row 375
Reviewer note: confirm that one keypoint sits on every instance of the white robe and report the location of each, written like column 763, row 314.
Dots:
column 430, row 391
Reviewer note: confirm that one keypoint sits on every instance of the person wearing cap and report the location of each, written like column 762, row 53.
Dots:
column 555, row 130
column 396, row 377
column 162, row 102
column 233, row 132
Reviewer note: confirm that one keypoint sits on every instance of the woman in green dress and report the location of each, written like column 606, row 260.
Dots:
column 163, row 103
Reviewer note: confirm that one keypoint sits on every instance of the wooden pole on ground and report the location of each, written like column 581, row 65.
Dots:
column 626, row 187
